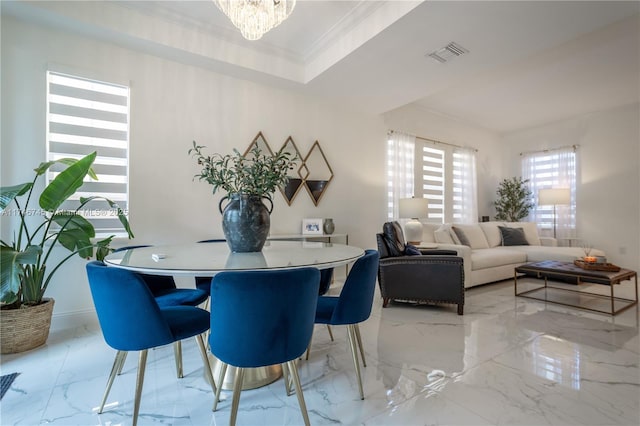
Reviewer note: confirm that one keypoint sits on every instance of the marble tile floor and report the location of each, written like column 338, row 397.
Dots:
column 507, row 361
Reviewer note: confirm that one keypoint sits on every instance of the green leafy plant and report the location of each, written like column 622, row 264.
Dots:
column 27, row 267
column 255, row 173
column 514, row 200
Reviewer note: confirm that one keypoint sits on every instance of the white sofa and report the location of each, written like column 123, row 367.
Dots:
column 486, row 259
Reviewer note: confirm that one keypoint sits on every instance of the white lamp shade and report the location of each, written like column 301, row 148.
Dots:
column 413, row 208
column 554, row 196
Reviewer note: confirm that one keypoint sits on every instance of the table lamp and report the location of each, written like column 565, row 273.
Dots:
column 413, row 208
column 554, row 197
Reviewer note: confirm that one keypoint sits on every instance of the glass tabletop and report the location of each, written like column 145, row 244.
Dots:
column 209, row 258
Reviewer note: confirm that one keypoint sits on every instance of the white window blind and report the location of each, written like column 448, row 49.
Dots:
column 83, row 116
column 447, row 177
column 430, row 180
column 552, row 169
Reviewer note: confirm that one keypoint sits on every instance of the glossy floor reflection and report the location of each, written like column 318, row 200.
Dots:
column 507, row 361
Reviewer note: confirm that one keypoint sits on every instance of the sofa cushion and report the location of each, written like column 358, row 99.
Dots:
column 393, row 238
column 470, row 235
column 492, row 233
column 513, row 236
column 428, row 232
column 497, row 256
column 530, row 231
column 443, row 235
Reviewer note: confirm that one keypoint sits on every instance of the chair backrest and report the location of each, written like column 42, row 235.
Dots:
column 383, row 250
column 325, row 280
column 129, row 316
column 356, row 297
column 262, row 318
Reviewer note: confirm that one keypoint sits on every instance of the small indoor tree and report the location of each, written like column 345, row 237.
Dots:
column 514, row 200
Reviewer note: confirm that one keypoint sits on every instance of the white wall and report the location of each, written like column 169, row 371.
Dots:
column 432, row 125
column 171, row 105
column 608, row 182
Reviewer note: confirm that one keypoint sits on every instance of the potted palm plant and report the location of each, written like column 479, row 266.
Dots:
column 247, row 180
column 26, row 261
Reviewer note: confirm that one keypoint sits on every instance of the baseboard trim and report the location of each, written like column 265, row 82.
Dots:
column 68, row 320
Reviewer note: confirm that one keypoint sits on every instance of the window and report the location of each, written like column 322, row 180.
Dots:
column 552, row 169
column 84, row 116
column 442, row 173
column 447, row 177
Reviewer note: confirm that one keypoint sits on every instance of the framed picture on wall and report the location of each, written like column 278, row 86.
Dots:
column 312, row 226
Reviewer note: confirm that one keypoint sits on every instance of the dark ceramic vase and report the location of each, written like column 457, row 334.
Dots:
column 245, row 222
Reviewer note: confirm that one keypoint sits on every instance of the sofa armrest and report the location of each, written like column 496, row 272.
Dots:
column 548, row 242
column 465, row 253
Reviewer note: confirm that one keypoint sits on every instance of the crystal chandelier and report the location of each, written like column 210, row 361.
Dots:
column 255, row 17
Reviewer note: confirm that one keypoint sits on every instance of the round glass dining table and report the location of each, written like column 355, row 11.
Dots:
column 208, row 258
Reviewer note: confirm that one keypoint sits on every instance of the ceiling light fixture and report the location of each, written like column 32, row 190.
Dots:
column 255, row 17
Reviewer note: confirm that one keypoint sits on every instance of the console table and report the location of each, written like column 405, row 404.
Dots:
column 550, row 269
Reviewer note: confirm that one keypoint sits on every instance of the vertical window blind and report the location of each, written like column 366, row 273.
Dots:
column 83, row 116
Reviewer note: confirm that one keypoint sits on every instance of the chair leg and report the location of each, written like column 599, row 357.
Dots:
column 385, row 302
column 309, row 348
column 142, row 363
column 177, row 349
column 330, row 333
column 356, row 327
column 205, row 362
column 296, row 380
column 117, row 366
column 124, row 358
column 237, row 389
column 287, row 379
column 223, row 372
column 352, row 342
column 460, row 308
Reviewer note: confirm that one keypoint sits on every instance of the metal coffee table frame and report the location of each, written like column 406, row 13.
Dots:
column 550, row 269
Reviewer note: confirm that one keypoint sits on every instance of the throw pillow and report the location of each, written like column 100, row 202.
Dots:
column 513, row 236
column 411, row 250
column 461, row 236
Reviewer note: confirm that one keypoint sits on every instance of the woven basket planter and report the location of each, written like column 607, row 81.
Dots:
column 25, row 328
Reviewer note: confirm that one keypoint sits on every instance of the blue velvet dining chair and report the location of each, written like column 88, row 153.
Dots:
column 262, row 318
column 353, row 306
column 140, row 324
column 166, row 293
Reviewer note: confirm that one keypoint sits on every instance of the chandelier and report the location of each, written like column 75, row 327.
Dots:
column 255, row 17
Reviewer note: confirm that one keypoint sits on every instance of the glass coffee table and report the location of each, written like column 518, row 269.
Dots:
column 564, row 295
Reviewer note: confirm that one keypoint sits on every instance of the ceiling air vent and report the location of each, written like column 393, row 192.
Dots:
column 450, row 51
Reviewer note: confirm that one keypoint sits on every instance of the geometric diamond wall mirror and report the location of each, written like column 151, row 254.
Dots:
column 316, row 173
column 294, row 184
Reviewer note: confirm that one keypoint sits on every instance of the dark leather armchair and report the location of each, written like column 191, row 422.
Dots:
column 436, row 276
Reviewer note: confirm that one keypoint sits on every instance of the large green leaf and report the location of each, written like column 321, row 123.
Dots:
column 43, row 167
column 66, row 183
column 8, row 193
column 76, row 233
column 69, row 221
column 11, row 262
column 76, row 239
